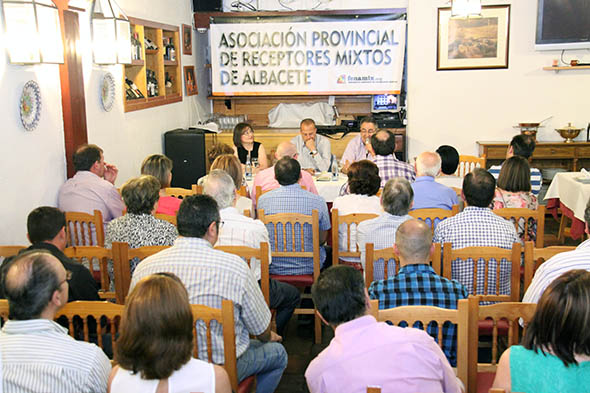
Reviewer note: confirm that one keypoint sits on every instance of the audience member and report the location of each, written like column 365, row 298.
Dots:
column 416, row 283
column 266, row 177
column 210, row 276
column 559, row 264
column 555, row 351
column 396, row 201
column 230, row 164
column 291, row 198
column 383, row 143
column 160, row 167
column 449, row 163
column 238, row 230
column 314, row 151
column 365, row 352
column 514, row 191
column 38, row 355
column 359, row 147
column 477, row 226
column 245, row 145
column 363, row 184
column 429, row 194
column 139, row 227
column 46, row 227
column 218, row 149
column 92, row 187
column 523, row 146
column 155, row 346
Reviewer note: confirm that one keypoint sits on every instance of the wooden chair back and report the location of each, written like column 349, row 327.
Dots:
column 387, row 254
column 508, row 312
column 166, row 217
column 426, row 315
column 250, row 254
column 122, row 255
column 197, row 189
column 486, row 256
column 433, row 216
column 178, row 192
column 243, row 191
column 83, row 229
column 3, row 310
column 260, row 192
column 468, row 163
column 97, row 259
column 526, row 217
column 351, row 222
column 534, row 257
column 225, row 318
column 373, row 389
column 9, row 251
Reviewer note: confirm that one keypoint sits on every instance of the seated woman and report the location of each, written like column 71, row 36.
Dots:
column 160, row 167
column 363, row 184
column 514, row 191
column 139, row 227
column 231, row 165
column 555, row 351
column 244, row 145
column 154, row 350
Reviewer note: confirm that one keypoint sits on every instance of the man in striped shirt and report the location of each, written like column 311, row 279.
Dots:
column 522, row 145
column 38, row 355
column 383, row 144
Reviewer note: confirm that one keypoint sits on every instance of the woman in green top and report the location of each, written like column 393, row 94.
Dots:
column 555, row 352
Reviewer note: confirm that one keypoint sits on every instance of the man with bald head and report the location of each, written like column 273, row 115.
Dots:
column 383, row 144
column 428, row 194
column 266, row 178
column 38, row 355
column 416, row 282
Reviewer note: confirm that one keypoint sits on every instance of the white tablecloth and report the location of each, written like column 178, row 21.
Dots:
column 329, row 190
column 570, row 192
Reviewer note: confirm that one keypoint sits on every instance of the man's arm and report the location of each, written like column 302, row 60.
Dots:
column 98, row 375
column 114, row 204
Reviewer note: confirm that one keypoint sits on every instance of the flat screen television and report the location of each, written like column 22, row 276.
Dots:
column 563, row 24
column 385, row 103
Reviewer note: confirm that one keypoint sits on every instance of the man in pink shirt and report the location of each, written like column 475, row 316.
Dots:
column 266, row 178
column 365, row 352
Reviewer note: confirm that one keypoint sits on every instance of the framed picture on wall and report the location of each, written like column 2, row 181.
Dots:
column 189, row 80
column 187, row 40
column 473, row 43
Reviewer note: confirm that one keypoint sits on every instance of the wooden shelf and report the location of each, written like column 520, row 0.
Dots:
column 170, row 62
column 566, row 68
column 151, row 51
column 137, row 62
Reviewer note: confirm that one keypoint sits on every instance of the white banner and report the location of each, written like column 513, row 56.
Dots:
column 316, row 58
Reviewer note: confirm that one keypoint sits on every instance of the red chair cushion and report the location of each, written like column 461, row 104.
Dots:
column 302, row 280
column 247, row 384
column 486, row 327
column 484, row 382
column 357, row 265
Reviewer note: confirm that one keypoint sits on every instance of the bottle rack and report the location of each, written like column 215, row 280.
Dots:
column 153, row 60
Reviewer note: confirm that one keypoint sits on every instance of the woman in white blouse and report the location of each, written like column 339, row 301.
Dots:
column 363, row 184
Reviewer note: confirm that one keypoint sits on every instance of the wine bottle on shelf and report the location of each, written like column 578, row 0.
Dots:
column 133, row 88
column 172, row 52
column 166, row 48
column 137, row 47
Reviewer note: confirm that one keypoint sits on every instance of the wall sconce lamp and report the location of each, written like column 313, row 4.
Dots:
column 465, row 8
column 111, row 33
column 32, row 31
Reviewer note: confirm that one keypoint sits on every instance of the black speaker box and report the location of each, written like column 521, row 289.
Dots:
column 207, row 5
column 186, row 149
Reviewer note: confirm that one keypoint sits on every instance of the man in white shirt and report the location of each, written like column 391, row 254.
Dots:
column 315, row 152
column 38, row 355
column 238, row 230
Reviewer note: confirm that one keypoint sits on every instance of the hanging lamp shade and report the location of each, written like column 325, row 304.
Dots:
column 465, row 8
column 111, row 40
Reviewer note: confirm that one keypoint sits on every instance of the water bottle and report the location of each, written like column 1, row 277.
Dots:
column 248, row 168
column 335, row 170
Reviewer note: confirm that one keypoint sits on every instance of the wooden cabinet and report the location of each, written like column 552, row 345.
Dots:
column 153, row 65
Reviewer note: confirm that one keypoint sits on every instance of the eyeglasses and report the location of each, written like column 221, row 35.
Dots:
column 68, row 277
column 369, row 130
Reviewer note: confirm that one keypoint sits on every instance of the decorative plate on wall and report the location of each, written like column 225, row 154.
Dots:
column 30, row 105
column 107, row 91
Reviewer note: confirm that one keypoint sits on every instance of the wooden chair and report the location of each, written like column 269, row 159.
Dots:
column 477, row 254
column 84, row 229
column 534, row 257
column 518, row 216
column 225, row 321
column 89, row 254
column 122, row 256
column 387, row 254
column 426, row 315
column 85, row 309
column 3, row 310
column 293, row 221
column 243, row 191
column 166, row 217
column 373, row 389
column 469, row 163
column 246, row 213
column 178, row 192
column 348, row 220
column 260, row 192
column 433, row 216
column 197, row 190
column 9, row 251
column 249, row 255
column 481, row 375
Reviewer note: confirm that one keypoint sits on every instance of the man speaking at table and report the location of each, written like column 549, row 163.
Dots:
column 314, row 150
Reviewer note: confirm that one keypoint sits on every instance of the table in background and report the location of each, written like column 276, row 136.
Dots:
column 571, row 196
column 329, row 190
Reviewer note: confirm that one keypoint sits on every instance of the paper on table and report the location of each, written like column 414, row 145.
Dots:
column 585, row 173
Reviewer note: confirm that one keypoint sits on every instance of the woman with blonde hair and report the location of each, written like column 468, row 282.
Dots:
column 160, row 167
column 230, row 164
column 154, row 350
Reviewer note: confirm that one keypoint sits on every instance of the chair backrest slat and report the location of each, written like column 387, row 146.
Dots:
column 348, row 221
column 84, row 229
column 518, row 215
column 534, row 257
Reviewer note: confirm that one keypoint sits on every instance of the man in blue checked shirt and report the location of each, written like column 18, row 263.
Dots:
column 416, row 283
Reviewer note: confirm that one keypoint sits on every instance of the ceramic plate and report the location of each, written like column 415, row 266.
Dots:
column 107, row 91
column 30, row 105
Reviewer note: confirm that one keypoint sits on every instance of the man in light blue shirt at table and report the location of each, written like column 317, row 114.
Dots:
column 314, row 151
column 428, row 194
